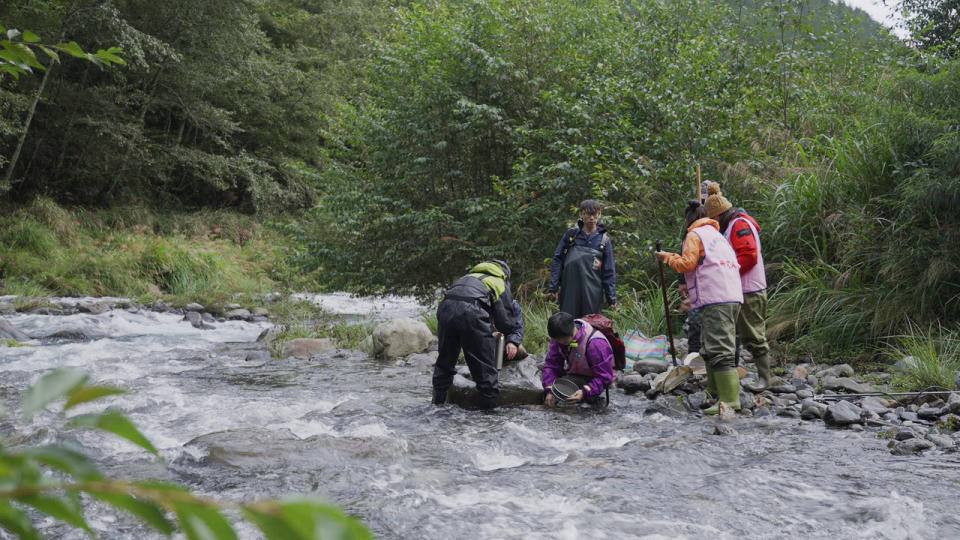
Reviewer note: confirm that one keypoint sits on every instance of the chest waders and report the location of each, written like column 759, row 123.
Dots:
column 581, row 291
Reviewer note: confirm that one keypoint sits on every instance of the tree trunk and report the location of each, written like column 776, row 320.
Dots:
column 26, row 127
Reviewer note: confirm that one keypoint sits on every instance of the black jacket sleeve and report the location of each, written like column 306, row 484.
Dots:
column 504, row 316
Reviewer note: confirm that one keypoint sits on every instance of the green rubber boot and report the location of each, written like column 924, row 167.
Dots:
column 728, row 387
column 711, row 383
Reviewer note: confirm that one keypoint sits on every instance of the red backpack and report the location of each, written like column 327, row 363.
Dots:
column 605, row 326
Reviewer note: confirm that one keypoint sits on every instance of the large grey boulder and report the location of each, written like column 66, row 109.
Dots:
column 401, row 337
column 9, row 331
column 649, row 365
column 843, row 413
column 94, row 308
column 306, row 347
column 911, row 446
column 877, row 405
column 519, row 385
column 810, row 409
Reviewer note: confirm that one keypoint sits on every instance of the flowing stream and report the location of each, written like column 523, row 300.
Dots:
column 235, row 424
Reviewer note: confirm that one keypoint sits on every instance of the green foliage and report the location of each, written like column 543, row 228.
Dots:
column 936, row 358
column 51, row 479
column 18, row 56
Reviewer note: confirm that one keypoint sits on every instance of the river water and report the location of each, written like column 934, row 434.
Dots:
column 362, row 434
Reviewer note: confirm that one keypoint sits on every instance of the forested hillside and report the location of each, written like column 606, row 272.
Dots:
column 395, row 143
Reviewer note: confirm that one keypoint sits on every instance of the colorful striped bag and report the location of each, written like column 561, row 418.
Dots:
column 639, row 346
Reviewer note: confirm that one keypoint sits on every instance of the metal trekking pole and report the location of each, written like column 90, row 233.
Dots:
column 666, row 306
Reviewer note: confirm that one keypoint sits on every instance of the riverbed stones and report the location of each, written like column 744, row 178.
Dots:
column 910, row 446
column 401, row 336
column 94, row 308
column 307, row 347
column 195, row 320
column 842, row 413
column 810, row 409
column 876, row 404
column 649, row 365
column 633, row 383
column 260, row 312
column 842, row 370
column 9, row 331
column 6, row 308
column 424, row 359
column 724, row 430
column 193, row 306
column 519, row 385
column 943, row 442
column 847, row 384
column 930, row 413
column 953, row 404
column 238, row 314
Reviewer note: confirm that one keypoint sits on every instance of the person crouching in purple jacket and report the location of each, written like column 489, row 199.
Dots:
column 579, row 353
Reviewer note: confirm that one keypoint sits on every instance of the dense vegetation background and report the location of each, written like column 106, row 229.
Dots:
column 384, row 146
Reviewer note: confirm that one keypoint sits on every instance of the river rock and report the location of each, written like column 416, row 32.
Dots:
column 193, row 306
column 953, row 404
column 6, row 308
column 95, row 308
column 810, row 409
column 698, row 400
column 9, row 331
column 842, row 413
column 762, row 411
column 269, row 335
column 632, row 384
column 846, row 383
column 875, row 404
column 195, row 320
column 648, row 365
column 905, row 433
column 911, row 446
column 423, row 359
column 306, row 347
column 519, row 385
column 783, row 389
column 723, row 430
column 813, row 381
column 238, row 314
column 909, row 416
column 789, row 412
column 232, row 306
column 261, row 312
column 842, row 370
column 930, row 413
column 942, row 441
column 400, row 337
column 804, row 393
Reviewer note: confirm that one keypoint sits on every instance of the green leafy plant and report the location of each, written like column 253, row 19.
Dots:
column 18, row 56
column 50, row 480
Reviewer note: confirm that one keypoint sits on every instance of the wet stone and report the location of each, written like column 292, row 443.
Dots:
column 698, row 400
column 762, row 411
column 804, row 393
column 723, row 430
column 875, row 404
column 789, row 413
column 943, row 442
column 953, row 404
column 813, row 381
column 810, row 409
column 856, row 427
column 930, row 413
column 193, row 306
column 892, row 417
column 237, row 314
column 909, row 416
column 631, row 384
column 911, row 446
column 95, row 308
column 842, row 413
column 905, row 433
column 650, row 366
column 783, row 389
column 746, row 399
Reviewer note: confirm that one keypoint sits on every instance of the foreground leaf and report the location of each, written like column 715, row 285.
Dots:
column 115, row 423
column 73, row 463
column 201, row 522
column 17, row 522
column 86, row 393
column 68, row 511
column 50, row 387
column 148, row 512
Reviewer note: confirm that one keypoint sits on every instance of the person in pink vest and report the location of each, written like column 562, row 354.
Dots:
column 743, row 233
column 712, row 276
column 580, row 354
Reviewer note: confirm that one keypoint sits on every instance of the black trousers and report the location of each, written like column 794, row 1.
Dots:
column 465, row 325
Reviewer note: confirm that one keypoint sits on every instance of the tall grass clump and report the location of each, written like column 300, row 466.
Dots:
column 936, row 358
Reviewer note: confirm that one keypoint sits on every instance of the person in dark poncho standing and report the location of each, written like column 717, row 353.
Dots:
column 465, row 319
column 583, row 270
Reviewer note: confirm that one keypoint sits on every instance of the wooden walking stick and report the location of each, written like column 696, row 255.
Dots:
column 666, row 305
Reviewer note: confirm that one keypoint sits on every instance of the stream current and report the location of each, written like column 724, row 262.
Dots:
column 362, row 434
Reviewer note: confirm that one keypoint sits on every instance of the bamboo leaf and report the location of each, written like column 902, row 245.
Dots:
column 86, row 393
column 274, row 526
column 68, row 511
column 17, row 522
column 30, row 37
column 147, row 511
column 201, row 522
column 51, row 387
column 115, row 423
column 68, row 461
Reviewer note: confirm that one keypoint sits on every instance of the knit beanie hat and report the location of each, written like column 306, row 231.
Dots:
column 716, row 203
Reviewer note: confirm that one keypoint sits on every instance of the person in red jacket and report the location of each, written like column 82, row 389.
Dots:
column 743, row 233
